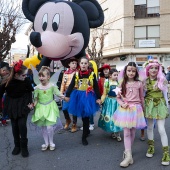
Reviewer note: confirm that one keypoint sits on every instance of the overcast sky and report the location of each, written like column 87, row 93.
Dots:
column 21, row 39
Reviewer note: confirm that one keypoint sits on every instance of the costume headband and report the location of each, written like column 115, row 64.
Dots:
column 141, row 73
column 150, row 63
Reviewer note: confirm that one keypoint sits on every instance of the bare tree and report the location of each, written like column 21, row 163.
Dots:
column 96, row 45
column 11, row 20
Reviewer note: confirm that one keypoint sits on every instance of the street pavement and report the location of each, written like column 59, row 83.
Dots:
column 102, row 153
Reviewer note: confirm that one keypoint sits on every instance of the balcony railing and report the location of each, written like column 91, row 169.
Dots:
column 142, row 11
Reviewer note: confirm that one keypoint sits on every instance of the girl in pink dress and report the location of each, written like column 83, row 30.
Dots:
column 129, row 114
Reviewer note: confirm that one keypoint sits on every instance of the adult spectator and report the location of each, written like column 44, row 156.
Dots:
column 168, row 74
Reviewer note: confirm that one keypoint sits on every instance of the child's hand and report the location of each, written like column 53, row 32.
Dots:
column 67, row 99
column 61, row 96
column 124, row 105
column 35, row 103
column 99, row 101
column 30, row 106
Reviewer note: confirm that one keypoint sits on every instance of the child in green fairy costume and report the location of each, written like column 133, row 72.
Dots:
column 46, row 113
column 156, row 107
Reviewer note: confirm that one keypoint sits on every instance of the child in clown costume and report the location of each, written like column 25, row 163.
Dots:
column 109, row 106
column 46, row 113
column 85, row 99
column 156, row 107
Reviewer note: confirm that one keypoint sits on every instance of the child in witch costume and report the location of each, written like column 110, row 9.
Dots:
column 109, row 106
column 46, row 113
column 156, row 107
column 67, row 77
column 18, row 90
column 85, row 100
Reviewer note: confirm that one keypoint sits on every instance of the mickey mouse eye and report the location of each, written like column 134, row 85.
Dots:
column 56, row 21
column 44, row 24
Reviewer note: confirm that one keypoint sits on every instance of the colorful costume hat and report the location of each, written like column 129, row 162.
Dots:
column 105, row 66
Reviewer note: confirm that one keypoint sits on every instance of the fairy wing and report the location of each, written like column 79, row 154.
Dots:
column 141, row 72
column 35, row 75
column 142, row 75
column 120, row 76
column 55, row 76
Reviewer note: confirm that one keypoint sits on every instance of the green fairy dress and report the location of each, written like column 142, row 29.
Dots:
column 155, row 104
column 46, row 110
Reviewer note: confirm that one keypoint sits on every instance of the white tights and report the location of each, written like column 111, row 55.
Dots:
column 48, row 133
column 161, row 130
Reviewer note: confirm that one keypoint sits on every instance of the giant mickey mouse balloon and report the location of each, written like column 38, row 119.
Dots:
column 62, row 28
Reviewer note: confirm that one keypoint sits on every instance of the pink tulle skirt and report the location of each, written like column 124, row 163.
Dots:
column 130, row 117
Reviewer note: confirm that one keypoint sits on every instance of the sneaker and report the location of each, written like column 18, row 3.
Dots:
column 44, row 147
column 113, row 135
column 142, row 138
column 91, row 127
column 118, row 138
column 166, row 156
column 150, row 151
column 52, row 147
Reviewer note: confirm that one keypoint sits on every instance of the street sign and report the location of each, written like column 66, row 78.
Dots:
column 150, row 57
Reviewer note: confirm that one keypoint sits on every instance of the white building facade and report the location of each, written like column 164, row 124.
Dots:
column 138, row 29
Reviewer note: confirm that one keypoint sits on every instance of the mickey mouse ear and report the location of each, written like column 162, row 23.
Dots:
column 93, row 11
column 30, row 8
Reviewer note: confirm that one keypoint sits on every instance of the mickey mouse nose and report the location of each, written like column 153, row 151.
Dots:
column 35, row 38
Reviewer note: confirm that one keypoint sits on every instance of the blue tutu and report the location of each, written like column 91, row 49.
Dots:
column 65, row 105
column 82, row 104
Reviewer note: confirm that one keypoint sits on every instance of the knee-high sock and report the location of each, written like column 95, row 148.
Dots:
column 162, row 132
column 50, row 131
column 45, row 135
column 150, row 127
column 132, row 132
column 127, row 139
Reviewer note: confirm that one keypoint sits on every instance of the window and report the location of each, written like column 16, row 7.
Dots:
column 147, row 36
column 146, row 8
